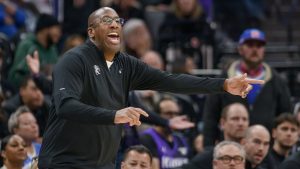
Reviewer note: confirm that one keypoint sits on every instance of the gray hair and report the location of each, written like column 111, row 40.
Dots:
column 225, row 143
column 131, row 25
column 13, row 121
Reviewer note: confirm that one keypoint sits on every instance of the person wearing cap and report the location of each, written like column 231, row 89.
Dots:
column 47, row 34
column 264, row 102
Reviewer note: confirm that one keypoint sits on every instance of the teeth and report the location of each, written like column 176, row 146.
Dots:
column 113, row 34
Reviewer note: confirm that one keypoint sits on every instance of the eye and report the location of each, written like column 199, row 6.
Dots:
column 107, row 20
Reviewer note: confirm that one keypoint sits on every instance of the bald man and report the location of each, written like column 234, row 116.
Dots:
column 90, row 89
column 256, row 145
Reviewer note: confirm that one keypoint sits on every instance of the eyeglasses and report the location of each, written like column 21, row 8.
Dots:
column 106, row 20
column 227, row 159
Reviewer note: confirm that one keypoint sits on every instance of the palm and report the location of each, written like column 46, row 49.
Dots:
column 33, row 63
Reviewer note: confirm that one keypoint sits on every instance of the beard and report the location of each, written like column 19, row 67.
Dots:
column 49, row 41
column 251, row 64
column 285, row 147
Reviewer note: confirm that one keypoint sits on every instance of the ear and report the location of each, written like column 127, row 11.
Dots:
column 215, row 163
column 243, row 141
column 21, row 91
column 15, row 130
column 91, row 32
column 3, row 154
column 274, row 133
column 222, row 123
column 240, row 49
column 122, row 165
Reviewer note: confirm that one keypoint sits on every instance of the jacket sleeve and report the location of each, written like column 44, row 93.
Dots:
column 68, row 78
column 153, row 118
column 144, row 77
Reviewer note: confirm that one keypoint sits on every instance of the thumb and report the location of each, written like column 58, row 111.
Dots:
column 36, row 54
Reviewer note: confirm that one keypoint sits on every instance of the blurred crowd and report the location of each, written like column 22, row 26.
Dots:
column 179, row 36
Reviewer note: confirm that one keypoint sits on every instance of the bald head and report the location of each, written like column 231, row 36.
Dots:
column 256, row 144
column 97, row 14
column 253, row 130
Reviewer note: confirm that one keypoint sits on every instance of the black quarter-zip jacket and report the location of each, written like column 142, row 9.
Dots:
column 86, row 95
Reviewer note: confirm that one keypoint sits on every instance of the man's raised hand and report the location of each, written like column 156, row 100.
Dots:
column 240, row 85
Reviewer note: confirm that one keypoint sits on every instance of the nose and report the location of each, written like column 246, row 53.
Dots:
column 114, row 24
column 21, row 147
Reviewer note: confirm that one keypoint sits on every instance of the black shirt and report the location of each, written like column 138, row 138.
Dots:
column 86, row 95
column 292, row 162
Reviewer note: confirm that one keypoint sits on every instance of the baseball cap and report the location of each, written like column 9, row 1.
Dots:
column 252, row 34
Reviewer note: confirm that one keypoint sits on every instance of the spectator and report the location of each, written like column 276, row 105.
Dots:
column 274, row 93
column 185, row 28
column 24, row 124
column 234, row 123
column 75, row 15
column 170, row 150
column 31, row 12
column 137, row 37
column 128, row 9
column 13, row 152
column 285, row 134
column 12, row 18
column 47, row 34
column 228, row 154
column 31, row 96
column 297, row 114
column 72, row 41
column 137, row 157
column 256, row 145
column 6, row 88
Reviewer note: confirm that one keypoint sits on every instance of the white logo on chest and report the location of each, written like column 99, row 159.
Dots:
column 97, row 69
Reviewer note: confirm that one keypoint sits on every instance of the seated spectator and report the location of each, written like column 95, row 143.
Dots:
column 13, row 152
column 285, row 134
column 296, row 147
column 228, row 155
column 6, row 56
column 31, row 11
column 47, row 34
column 137, row 157
column 23, row 123
column 186, row 28
column 72, row 41
column 256, row 145
column 32, row 97
column 128, row 9
column 75, row 16
column 12, row 18
column 234, row 124
column 137, row 37
column 169, row 149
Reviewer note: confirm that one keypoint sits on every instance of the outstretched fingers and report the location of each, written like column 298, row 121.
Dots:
column 254, row 81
